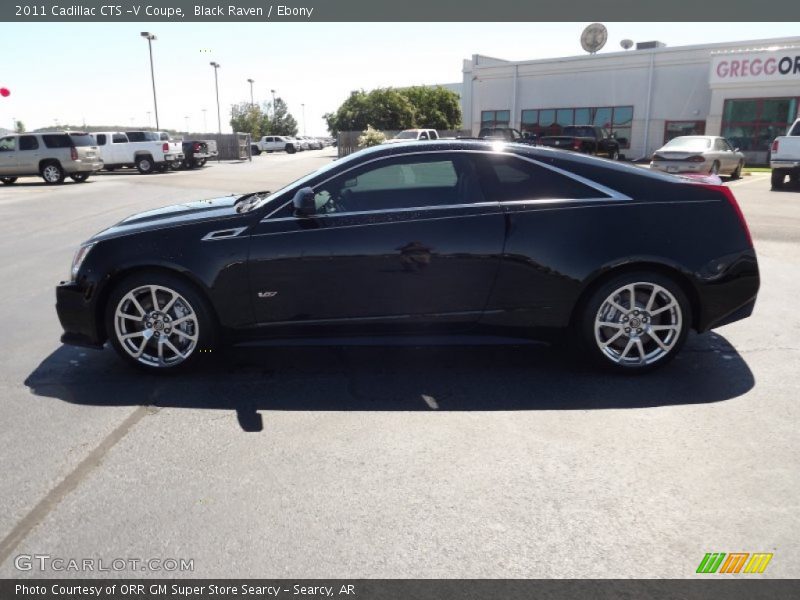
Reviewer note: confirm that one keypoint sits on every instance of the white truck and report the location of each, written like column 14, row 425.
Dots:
column 785, row 157
column 275, row 143
column 145, row 150
column 410, row 135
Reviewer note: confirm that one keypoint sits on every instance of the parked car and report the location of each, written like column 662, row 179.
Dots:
column 785, row 157
column 410, row 135
column 506, row 134
column 313, row 143
column 275, row 143
column 301, row 143
column 587, row 139
column 53, row 155
column 705, row 154
column 459, row 237
column 145, row 150
column 196, row 153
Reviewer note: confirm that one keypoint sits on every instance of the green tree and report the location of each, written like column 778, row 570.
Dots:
column 370, row 137
column 282, row 122
column 392, row 109
column 19, row 127
column 247, row 118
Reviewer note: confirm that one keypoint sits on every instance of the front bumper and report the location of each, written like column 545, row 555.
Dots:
column 76, row 312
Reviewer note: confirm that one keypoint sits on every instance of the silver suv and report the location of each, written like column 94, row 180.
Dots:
column 53, row 155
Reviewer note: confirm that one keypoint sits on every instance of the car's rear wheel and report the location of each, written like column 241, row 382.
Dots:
column 714, row 169
column 145, row 165
column 199, row 162
column 8, row 180
column 175, row 165
column 159, row 322
column 52, row 173
column 614, row 155
column 635, row 322
column 777, row 178
column 79, row 177
column 737, row 172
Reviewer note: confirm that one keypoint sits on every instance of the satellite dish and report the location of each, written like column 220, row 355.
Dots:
column 594, row 37
column 626, row 44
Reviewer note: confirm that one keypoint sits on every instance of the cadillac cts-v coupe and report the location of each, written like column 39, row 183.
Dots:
column 443, row 238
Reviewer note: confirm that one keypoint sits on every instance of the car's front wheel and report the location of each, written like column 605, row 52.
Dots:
column 159, row 322
column 635, row 322
column 79, row 177
column 8, row 180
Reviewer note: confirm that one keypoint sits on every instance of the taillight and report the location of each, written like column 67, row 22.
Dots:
column 576, row 145
column 775, row 145
column 73, row 153
column 696, row 159
column 196, row 147
column 165, row 147
column 728, row 193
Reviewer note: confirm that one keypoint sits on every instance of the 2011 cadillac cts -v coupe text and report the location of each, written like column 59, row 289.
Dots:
column 446, row 238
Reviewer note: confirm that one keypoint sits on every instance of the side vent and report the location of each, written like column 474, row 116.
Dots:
column 223, row 234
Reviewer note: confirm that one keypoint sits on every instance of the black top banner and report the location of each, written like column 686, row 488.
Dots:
column 254, row 11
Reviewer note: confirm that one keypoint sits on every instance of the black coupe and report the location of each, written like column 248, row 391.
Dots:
column 436, row 239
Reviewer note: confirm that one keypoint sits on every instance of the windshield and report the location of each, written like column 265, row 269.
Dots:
column 689, row 144
column 334, row 164
column 406, row 135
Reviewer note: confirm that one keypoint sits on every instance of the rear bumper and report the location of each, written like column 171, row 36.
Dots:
column 790, row 165
column 80, row 166
column 678, row 166
column 76, row 312
column 731, row 295
column 172, row 156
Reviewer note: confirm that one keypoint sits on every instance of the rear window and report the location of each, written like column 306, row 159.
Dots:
column 689, row 144
column 796, row 129
column 142, row 136
column 101, row 139
column 82, row 139
column 579, row 131
column 509, row 178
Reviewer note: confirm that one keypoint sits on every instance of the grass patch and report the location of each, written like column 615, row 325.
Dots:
column 757, row 170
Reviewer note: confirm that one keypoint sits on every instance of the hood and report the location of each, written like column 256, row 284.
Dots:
column 174, row 216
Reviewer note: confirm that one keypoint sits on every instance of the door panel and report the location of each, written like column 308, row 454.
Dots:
column 8, row 155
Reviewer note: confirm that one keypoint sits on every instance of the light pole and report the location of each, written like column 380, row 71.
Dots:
column 251, row 81
column 205, row 125
column 303, row 106
column 216, row 86
column 273, row 103
column 150, row 37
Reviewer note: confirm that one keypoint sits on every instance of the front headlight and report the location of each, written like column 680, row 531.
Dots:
column 80, row 256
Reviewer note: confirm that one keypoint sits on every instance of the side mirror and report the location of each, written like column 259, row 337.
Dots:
column 303, row 201
column 735, row 149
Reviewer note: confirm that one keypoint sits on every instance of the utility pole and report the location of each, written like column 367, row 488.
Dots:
column 150, row 37
column 304, row 118
column 252, row 103
column 216, row 86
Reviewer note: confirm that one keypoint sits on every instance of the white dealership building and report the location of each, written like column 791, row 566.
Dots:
column 746, row 91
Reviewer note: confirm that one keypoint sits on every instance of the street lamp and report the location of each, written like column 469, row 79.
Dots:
column 303, row 106
column 273, row 103
column 251, row 81
column 150, row 37
column 216, row 86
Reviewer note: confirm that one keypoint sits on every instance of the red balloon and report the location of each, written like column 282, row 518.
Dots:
column 4, row 92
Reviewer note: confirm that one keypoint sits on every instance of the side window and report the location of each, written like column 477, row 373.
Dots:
column 407, row 182
column 719, row 145
column 423, row 135
column 119, row 138
column 507, row 178
column 28, row 142
column 7, row 144
column 101, row 139
column 57, row 141
column 726, row 145
column 164, row 137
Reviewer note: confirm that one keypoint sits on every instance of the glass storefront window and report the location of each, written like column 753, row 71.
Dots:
column 617, row 120
column 583, row 116
column 565, row 116
column 751, row 124
column 495, row 118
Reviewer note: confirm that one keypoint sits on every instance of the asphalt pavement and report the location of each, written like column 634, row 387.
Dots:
column 488, row 462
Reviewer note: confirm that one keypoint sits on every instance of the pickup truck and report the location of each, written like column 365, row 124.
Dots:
column 145, row 150
column 275, row 143
column 587, row 139
column 197, row 152
column 410, row 135
column 785, row 157
column 506, row 134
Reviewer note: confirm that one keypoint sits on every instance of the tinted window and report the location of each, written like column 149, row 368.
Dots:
column 82, row 139
column 101, row 139
column 119, row 138
column 164, row 137
column 7, row 143
column 28, row 142
column 57, row 140
column 142, row 136
column 407, row 182
column 795, row 129
column 509, row 178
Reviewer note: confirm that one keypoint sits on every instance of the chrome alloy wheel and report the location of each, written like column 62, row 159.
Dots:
column 51, row 173
column 638, row 324
column 156, row 326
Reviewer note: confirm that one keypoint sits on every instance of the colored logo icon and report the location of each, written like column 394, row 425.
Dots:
column 734, row 562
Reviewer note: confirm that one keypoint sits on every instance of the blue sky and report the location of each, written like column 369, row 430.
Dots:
column 99, row 73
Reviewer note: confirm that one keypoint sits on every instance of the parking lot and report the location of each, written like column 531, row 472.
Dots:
column 488, row 462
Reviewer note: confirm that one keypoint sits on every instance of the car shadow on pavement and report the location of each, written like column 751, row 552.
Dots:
column 358, row 378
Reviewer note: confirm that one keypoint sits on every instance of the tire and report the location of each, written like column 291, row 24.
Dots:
column 175, row 165
column 255, row 151
column 8, row 180
column 614, row 155
column 200, row 162
column 737, row 172
column 776, row 179
column 145, row 165
column 111, row 169
column 290, row 149
column 79, row 177
column 52, row 173
column 609, row 335
column 136, row 334
column 714, row 169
